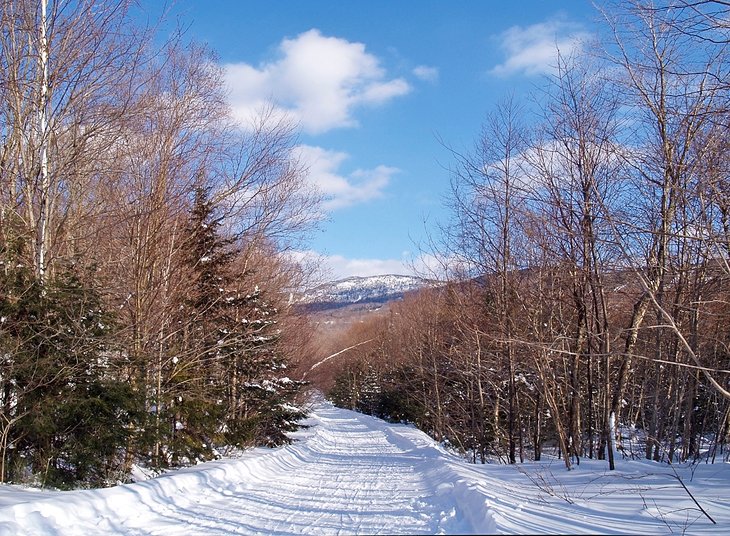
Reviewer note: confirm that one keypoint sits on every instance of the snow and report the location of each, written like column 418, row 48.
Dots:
column 354, row 474
column 357, row 289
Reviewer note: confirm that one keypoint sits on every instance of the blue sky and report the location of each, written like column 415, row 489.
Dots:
column 374, row 86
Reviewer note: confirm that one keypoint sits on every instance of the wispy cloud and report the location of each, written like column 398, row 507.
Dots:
column 342, row 267
column 334, row 267
column 533, row 50
column 343, row 190
column 426, row 73
column 318, row 80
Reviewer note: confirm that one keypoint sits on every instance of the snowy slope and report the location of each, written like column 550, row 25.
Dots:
column 374, row 289
column 353, row 474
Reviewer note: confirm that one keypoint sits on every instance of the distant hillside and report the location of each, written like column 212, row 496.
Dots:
column 375, row 290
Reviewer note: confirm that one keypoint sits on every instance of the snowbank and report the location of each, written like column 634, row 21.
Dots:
column 350, row 473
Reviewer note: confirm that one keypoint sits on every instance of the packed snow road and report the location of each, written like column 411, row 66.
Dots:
column 353, row 474
column 347, row 473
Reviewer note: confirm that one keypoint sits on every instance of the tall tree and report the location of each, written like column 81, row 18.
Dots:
column 63, row 65
column 672, row 86
column 575, row 164
column 488, row 189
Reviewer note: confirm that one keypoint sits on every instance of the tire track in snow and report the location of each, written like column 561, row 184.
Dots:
column 346, row 474
column 345, row 478
column 349, row 473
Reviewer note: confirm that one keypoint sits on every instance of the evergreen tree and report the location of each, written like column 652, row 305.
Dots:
column 261, row 395
column 192, row 401
column 66, row 414
column 227, row 385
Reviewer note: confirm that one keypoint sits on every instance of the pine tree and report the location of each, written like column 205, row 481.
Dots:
column 66, row 414
column 261, row 408
column 192, row 402
column 228, row 385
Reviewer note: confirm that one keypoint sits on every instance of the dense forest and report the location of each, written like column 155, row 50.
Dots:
column 146, row 312
column 588, row 255
column 143, row 316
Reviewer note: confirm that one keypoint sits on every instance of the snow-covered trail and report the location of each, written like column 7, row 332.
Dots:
column 346, row 478
column 353, row 474
column 347, row 473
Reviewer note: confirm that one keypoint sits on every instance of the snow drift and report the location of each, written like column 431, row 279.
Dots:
column 354, row 474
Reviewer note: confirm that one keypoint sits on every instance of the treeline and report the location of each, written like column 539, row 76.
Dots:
column 142, row 288
column 591, row 244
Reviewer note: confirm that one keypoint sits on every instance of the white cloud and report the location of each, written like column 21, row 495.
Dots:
column 533, row 50
column 342, row 267
column 318, row 80
column 340, row 190
column 335, row 267
column 426, row 73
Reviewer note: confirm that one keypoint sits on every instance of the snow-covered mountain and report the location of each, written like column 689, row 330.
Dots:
column 359, row 290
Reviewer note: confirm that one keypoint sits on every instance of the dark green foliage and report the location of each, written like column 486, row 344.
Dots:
column 192, row 426
column 272, row 414
column 397, row 404
column 382, row 394
column 69, row 413
column 90, row 428
column 66, row 413
column 226, row 385
column 348, row 384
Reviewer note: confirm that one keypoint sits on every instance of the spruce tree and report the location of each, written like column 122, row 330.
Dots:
column 193, row 402
column 262, row 410
column 66, row 413
column 234, row 390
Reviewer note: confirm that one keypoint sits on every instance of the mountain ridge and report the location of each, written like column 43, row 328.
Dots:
column 375, row 290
